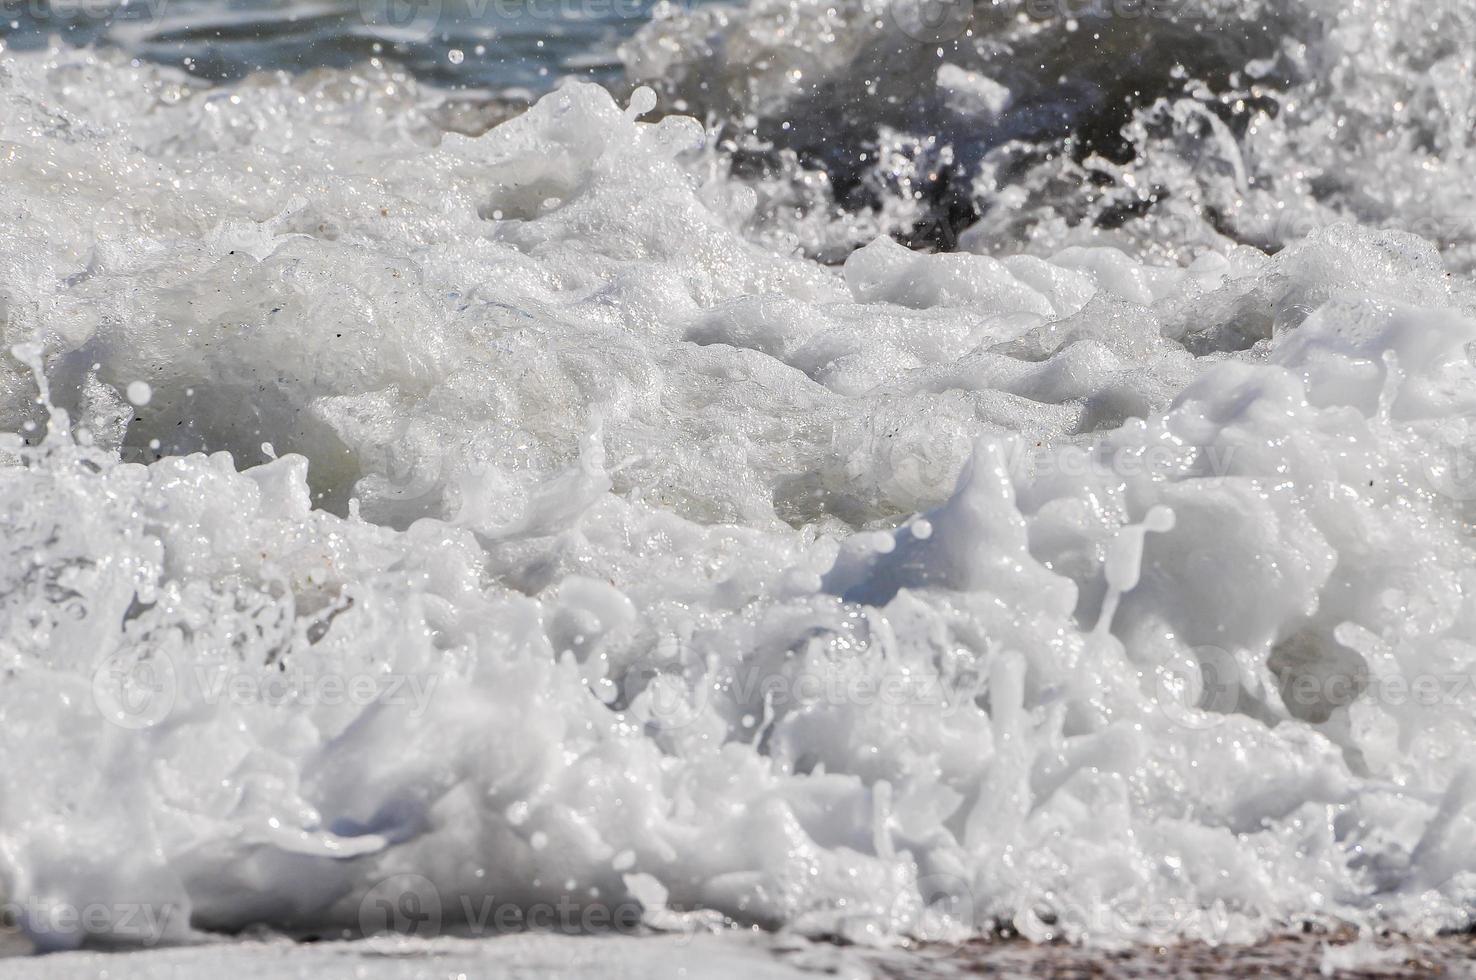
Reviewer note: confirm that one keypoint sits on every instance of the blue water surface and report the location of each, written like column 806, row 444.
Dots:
column 484, row 44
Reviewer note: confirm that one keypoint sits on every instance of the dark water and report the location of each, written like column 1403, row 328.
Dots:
column 497, row 44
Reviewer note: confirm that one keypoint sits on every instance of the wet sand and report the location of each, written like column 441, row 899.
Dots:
column 1283, row 956
column 747, row 956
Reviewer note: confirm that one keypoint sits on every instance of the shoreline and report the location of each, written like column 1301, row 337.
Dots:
column 753, row 956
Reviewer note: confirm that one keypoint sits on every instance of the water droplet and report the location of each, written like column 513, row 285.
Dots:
column 139, row 392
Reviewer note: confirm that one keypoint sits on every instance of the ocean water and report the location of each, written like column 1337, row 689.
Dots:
column 525, row 46
column 872, row 469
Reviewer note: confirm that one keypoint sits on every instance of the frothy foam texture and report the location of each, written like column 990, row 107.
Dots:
column 397, row 522
column 1166, row 128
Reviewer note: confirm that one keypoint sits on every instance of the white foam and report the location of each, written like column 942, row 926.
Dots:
column 590, row 568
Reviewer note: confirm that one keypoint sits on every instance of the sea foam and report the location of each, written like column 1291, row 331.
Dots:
column 531, row 515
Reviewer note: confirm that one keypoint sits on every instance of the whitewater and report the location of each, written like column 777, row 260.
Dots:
column 863, row 474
